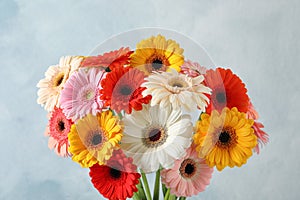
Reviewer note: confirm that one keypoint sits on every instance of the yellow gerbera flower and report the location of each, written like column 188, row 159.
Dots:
column 93, row 138
column 225, row 139
column 157, row 54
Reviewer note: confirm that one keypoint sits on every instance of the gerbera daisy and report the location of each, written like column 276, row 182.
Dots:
column 228, row 90
column 252, row 113
column 157, row 54
column 80, row 95
column 117, row 179
column 192, row 69
column 93, row 138
column 225, row 139
column 58, row 128
column 111, row 59
column 55, row 78
column 177, row 89
column 262, row 137
column 122, row 91
column 189, row 176
column 155, row 137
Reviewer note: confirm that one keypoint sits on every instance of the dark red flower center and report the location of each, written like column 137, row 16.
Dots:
column 157, row 64
column 61, row 125
column 97, row 139
column 125, row 90
column 154, row 135
column 115, row 173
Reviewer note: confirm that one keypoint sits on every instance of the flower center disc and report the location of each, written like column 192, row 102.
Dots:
column 221, row 97
column 89, row 95
column 97, row 139
column 115, row 173
column 227, row 138
column 154, row 137
column 187, row 168
column 224, row 137
column 157, row 64
column 61, row 125
column 125, row 90
column 59, row 80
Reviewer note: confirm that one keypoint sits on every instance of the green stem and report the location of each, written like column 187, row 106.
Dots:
column 156, row 186
column 140, row 194
column 182, row 198
column 148, row 194
column 167, row 194
column 164, row 189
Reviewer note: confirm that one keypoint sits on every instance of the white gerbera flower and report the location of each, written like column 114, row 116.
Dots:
column 55, row 78
column 156, row 137
column 177, row 89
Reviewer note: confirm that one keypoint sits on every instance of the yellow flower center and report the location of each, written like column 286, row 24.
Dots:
column 59, row 79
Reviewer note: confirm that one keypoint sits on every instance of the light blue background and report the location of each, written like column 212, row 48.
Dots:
column 258, row 39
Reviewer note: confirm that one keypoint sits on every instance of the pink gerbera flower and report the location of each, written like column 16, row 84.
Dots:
column 189, row 176
column 262, row 137
column 192, row 69
column 80, row 95
column 57, row 130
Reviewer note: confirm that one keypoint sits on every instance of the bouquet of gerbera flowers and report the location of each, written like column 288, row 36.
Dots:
column 128, row 112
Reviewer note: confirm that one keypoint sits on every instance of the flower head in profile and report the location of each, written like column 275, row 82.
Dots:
column 189, row 176
column 228, row 90
column 80, row 95
column 109, row 60
column 262, row 136
column 176, row 89
column 117, row 179
column 192, row 69
column 155, row 137
column 225, row 139
column 157, row 54
column 122, row 89
column 93, row 138
column 58, row 128
column 55, row 78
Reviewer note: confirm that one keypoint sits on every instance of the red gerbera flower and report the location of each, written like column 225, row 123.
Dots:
column 111, row 59
column 58, row 129
column 121, row 89
column 118, row 179
column 228, row 90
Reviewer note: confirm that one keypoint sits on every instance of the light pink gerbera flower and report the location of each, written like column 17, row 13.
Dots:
column 189, row 176
column 192, row 69
column 57, row 130
column 80, row 95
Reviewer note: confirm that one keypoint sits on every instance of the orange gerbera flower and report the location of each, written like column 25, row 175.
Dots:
column 111, row 59
column 122, row 89
column 228, row 90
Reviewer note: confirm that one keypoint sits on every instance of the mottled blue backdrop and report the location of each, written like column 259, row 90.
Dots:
column 259, row 40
